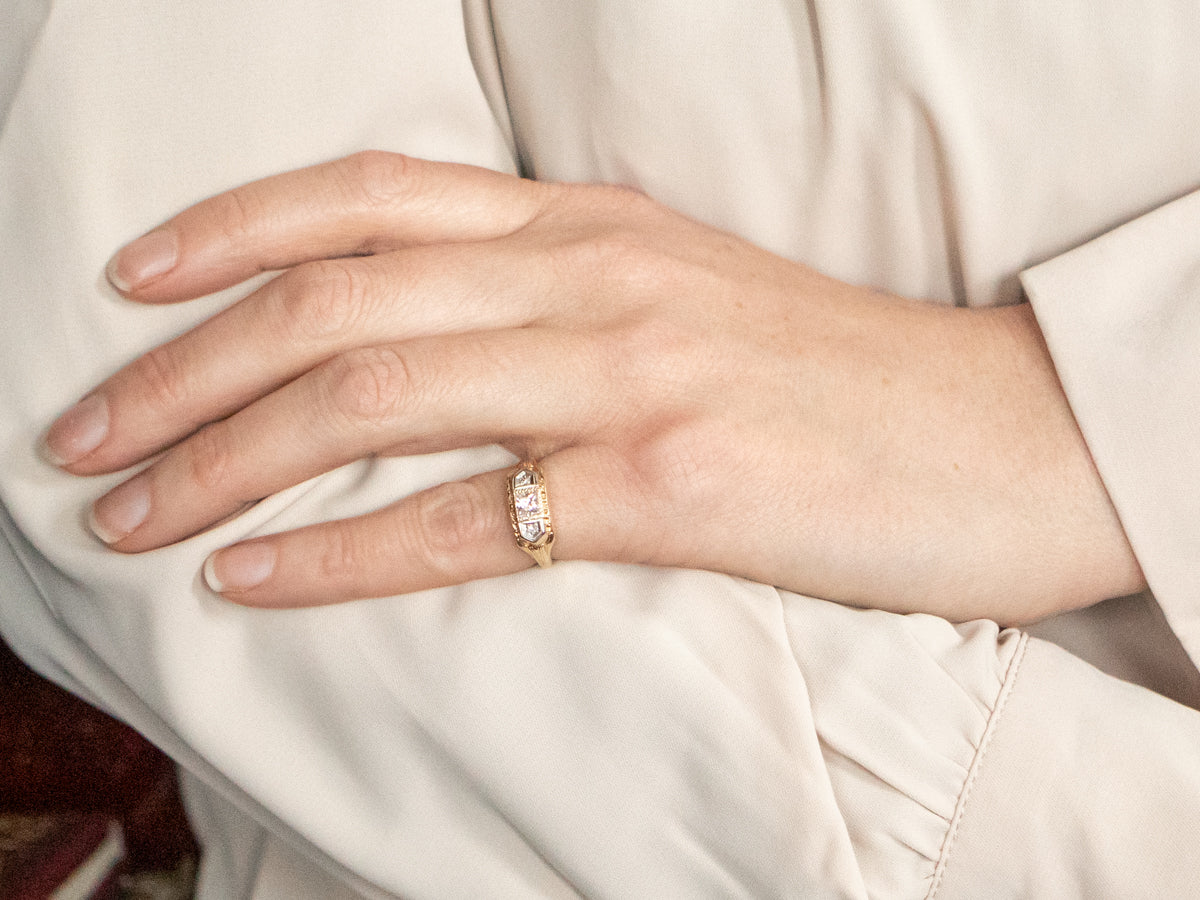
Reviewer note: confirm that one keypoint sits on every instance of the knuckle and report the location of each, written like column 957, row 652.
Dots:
column 606, row 238
column 616, row 204
column 630, row 262
column 322, row 302
column 624, row 197
column 163, row 378
column 237, row 214
column 369, row 384
column 211, row 458
column 342, row 557
column 603, row 199
column 377, row 178
column 683, row 459
column 451, row 520
column 619, row 257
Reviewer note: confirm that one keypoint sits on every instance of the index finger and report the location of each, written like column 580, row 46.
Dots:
column 362, row 204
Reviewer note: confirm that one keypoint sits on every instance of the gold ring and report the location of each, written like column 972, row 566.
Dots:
column 529, row 511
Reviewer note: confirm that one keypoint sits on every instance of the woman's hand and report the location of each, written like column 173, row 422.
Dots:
column 694, row 401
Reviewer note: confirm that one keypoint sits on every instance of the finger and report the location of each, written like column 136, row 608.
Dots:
column 287, row 327
column 450, row 534
column 415, row 397
column 362, row 204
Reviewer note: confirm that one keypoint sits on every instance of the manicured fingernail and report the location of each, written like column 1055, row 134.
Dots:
column 240, row 567
column 154, row 253
column 121, row 511
column 78, row 431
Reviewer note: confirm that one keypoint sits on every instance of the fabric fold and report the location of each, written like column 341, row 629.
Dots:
column 901, row 705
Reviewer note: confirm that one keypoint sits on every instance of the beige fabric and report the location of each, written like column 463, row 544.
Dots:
column 1100, row 802
column 599, row 730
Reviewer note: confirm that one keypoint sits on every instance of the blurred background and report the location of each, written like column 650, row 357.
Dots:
column 88, row 808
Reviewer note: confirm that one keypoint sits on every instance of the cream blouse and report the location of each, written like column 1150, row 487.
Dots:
column 601, row 730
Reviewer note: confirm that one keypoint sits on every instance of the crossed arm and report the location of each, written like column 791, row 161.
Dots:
column 695, row 401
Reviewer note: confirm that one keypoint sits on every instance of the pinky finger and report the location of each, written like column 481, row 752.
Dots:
column 446, row 535
column 450, row 534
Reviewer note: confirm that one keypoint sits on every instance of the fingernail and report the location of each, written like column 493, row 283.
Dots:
column 78, row 431
column 121, row 511
column 154, row 253
column 240, row 567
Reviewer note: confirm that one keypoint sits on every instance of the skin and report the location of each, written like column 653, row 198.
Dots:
column 696, row 401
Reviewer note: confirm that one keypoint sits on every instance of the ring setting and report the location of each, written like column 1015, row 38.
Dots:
column 529, row 511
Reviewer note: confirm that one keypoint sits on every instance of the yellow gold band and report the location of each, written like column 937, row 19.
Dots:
column 529, row 511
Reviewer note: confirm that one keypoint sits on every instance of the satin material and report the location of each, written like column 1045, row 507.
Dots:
column 599, row 730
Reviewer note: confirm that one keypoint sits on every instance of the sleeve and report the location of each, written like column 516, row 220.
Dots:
column 1121, row 317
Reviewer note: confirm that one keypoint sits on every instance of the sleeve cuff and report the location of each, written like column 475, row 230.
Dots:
column 1067, row 796
column 1121, row 317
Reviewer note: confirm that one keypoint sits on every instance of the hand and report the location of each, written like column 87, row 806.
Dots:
column 695, row 401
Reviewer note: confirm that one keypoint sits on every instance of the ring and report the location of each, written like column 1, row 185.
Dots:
column 529, row 511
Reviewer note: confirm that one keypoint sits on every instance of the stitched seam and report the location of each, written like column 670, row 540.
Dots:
column 1010, row 680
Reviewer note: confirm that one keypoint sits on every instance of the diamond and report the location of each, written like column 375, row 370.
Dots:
column 523, row 478
column 528, row 503
column 531, row 530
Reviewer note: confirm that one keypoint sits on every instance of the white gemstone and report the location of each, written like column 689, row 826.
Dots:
column 531, row 531
column 528, row 503
column 524, row 478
